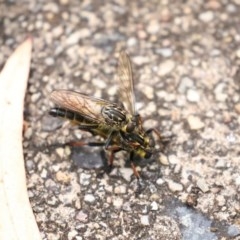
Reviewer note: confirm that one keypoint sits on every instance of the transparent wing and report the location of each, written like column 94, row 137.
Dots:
column 125, row 78
column 87, row 106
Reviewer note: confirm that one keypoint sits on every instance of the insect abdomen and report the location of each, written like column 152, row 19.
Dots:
column 63, row 113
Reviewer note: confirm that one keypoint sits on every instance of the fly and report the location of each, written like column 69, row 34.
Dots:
column 119, row 125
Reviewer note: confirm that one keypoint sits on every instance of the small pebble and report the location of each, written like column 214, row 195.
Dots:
column 49, row 61
column 150, row 108
column 177, row 168
column 231, row 8
column 238, row 53
column 221, row 201
column 82, row 216
column 231, row 138
column 237, row 180
column 164, row 160
column 234, row 230
column 99, row 83
column 155, row 197
column 44, row 173
column 237, row 108
column 50, row 184
column 72, row 234
column 185, row 83
column 166, row 67
column 30, row 165
column 165, row 52
column 63, row 177
column 38, row 24
column 127, row 207
column 193, row 95
column 195, row 123
column 219, row 92
column 131, row 41
column 154, row 206
column 117, row 203
column 173, row 159
column 206, row 17
column 215, row 52
column 76, row 36
column 84, row 179
column 160, row 181
column 120, row 189
column 220, row 163
column 89, row 198
column 150, row 123
column 28, row 133
column 203, row 185
column 142, row 34
column 64, row 2
column 51, row 7
column 147, row 90
column 52, row 201
column 140, row 60
column 77, row 204
column 78, row 238
column 67, row 151
column 145, row 220
column 35, row 96
column 60, row 152
column 57, row 31
column 126, row 173
column 175, row 187
column 214, row 4
column 153, row 27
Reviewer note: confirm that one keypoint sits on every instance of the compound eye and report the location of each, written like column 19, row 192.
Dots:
column 130, row 127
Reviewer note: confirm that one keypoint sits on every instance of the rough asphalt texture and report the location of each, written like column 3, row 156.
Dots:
column 186, row 57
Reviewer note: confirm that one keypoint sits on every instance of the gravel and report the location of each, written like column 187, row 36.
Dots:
column 185, row 59
column 195, row 123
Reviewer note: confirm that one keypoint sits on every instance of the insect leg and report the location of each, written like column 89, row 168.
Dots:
column 140, row 185
column 139, row 121
column 110, row 137
column 149, row 131
column 105, row 161
column 164, row 139
column 136, row 173
column 112, row 148
column 81, row 144
column 108, row 162
column 106, row 143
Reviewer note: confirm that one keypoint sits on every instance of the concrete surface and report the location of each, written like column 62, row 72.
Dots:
column 186, row 57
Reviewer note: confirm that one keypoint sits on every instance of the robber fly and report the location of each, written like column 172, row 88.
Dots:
column 118, row 124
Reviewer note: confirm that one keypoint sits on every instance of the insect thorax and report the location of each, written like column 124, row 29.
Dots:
column 114, row 115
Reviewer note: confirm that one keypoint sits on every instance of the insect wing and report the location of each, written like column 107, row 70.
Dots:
column 125, row 78
column 87, row 106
